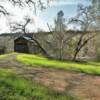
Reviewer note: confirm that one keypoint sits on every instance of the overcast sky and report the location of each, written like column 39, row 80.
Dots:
column 69, row 8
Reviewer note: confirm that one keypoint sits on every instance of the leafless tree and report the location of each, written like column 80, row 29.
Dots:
column 59, row 39
column 84, row 19
column 21, row 27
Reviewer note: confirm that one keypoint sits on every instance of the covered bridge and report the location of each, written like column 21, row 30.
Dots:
column 18, row 42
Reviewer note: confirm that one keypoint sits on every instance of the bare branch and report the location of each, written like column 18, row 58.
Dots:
column 20, row 27
column 31, row 2
column 36, row 3
column 41, row 4
column 3, row 10
column 17, row 2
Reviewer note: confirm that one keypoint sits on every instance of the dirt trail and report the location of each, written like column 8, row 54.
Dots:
column 76, row 84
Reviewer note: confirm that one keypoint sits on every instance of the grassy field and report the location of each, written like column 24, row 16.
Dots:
column 15, row 87
column 3, row 56
column 39, row 61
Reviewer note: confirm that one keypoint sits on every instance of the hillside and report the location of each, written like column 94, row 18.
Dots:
column 34, row 77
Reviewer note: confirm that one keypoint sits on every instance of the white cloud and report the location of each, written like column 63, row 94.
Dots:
column 68, row 2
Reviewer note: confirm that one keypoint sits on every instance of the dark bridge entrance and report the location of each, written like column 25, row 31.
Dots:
column 21, row 45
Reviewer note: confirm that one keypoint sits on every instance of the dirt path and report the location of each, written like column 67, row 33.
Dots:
column 87, row 87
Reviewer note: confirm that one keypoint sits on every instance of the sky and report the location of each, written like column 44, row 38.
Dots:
column 41, row 18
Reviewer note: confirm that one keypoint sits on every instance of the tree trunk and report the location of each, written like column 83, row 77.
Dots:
column 40, row 46
column 75, row 55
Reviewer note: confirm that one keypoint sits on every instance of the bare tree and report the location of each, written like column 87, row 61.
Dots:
column 21, row 27
column 59, row 39
column 84, row 19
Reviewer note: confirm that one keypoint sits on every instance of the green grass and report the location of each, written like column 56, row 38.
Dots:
column 39, row 61
column 3, row 56
column 15, row 87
